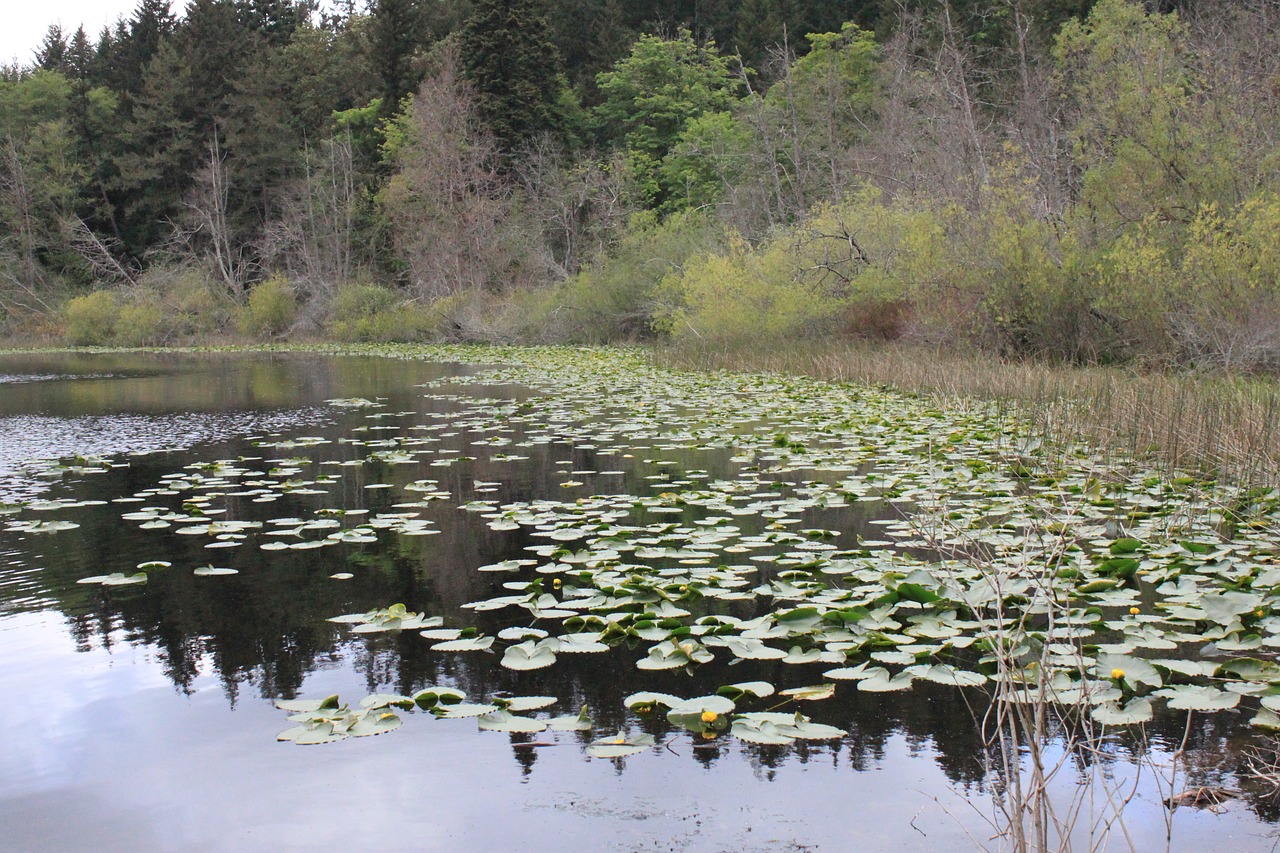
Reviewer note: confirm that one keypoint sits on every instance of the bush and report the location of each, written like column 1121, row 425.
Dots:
column 140, row 324
column 1208, row 296
column 271, row 309
column 371, row 312
column 91, row 319
column 196, row 306
column 742, row 296
column 620, row 297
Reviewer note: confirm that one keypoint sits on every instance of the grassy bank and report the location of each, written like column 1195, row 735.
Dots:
column 1212, row 423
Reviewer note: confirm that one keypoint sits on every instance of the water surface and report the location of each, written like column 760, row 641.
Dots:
column 142, row 717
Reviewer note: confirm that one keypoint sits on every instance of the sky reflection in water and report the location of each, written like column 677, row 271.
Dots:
column 140, row 718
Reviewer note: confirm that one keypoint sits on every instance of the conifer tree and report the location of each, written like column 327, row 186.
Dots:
column 396, row 33
column 52, row 53
column 152, row 21
column 514, row 67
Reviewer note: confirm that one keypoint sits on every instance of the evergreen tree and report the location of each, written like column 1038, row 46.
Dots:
column 152, row 21
column 397, row 30
column 591, row 35
column 175, row 116
column 276, row 20
column 80, row 56
column 52, row 53
column 514, row 67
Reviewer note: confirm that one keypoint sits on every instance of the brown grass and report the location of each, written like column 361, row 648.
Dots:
column 1213, row 424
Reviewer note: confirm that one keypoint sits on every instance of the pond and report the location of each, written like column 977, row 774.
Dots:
column 586, row 603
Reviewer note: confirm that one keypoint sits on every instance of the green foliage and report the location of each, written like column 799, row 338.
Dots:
column 1145, row 144
column 91, row 319
column 707, row 158
column 835, row 81
column 139, row 324
column 370, row 312
column 619, row 296
column 1212, row 300
column 652, row 95
column 741, row 295
column 514, row 67
column 271, row 309
column 165, row 306
column 397, row 30
column 848, row 268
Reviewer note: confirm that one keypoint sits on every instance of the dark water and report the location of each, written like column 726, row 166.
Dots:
column 141, row 718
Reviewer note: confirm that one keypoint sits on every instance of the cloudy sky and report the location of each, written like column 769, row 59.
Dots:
column 25, row 22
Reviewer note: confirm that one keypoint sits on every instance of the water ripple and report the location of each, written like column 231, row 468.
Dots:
column 30, row 442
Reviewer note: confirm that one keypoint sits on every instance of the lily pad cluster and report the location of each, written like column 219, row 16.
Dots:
column 327, row 720
column 698, row 518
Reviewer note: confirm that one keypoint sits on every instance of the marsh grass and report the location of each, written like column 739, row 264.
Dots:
column 1212, row 425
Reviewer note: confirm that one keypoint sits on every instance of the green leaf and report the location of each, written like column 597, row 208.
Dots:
column 462, row 711
column 429, row 697
column 1125, row 546
column 306, row 705
column 1189, row 697
column 878, row 680
column 579, row 723
column 531, row 655
column 815, row 693
column 1132, row 670
column 505, row 721
column 210, row 571
column 757, row 689
column 651, row 700
column 1137, row 710
column 764, row 732
column 375, row 722
column 527, row 703
column 620, row 746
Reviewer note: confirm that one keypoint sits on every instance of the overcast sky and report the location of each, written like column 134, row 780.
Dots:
column 25, row 21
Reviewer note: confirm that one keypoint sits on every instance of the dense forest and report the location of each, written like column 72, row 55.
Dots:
column 1083, row 180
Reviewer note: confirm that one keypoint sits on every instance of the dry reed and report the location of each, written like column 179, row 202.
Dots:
column 1213, row 424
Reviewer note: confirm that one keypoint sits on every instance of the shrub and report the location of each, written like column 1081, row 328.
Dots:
column 620, row 296
column 140, row 324
column 741, row 296
column 271, row 309
column 91, row 319
column 371, row 312
column 1208, row 296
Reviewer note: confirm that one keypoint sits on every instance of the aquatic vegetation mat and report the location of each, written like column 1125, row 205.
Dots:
column 848, row 538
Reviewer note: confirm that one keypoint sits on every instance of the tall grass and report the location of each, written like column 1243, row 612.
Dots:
column 1212, row 424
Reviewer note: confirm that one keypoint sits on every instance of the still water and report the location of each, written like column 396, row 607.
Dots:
column 141, row 717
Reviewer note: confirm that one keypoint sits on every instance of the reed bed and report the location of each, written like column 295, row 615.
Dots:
column 1208, row 423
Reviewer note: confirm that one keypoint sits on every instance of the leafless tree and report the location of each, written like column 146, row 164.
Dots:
column 207, row 233
column 448, row 195
column 311, row 240
column 576, row 206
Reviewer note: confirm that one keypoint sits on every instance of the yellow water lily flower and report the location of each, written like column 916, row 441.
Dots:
column 1117, row 673
column 710, row 716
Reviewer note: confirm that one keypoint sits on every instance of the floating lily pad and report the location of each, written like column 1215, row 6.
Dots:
column 620, row 746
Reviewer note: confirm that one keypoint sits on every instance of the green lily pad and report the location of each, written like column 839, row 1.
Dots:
column 504, row 721
column 1137, row 710
column 531, row 654
column 1189, row 697
column 814, row 693
column 757, row 689
column 580, row 722
column 620, row 746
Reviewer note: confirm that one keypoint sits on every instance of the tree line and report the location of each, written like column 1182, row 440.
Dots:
column 1089, row 180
